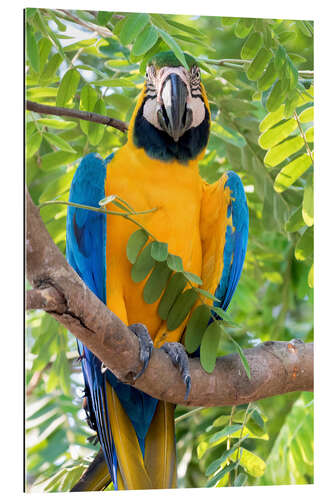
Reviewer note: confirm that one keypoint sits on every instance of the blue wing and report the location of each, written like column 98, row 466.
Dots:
column 235, row 241
column 85, row 250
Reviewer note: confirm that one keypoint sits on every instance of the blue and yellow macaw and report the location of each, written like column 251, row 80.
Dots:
column 206, row 225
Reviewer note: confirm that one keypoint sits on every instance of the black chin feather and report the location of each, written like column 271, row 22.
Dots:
column 159, row 145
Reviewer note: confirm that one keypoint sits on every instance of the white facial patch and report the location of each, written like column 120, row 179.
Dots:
column 155, row 86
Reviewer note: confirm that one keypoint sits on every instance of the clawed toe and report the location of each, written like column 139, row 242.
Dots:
column 146, row 345
column 179, row 358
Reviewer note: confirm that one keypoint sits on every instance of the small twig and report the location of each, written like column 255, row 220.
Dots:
column 240, row 437
column 75, row 113
column 101, row 30
column 189, row 414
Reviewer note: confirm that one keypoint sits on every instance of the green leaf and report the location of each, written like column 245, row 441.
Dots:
column 291, row 73
column 156, row 282
column 175, row 262
column 309, row 134
column 268, row 78
column 279, row 153
column 311, row 277
column 209, row 295
column 132, row 26
column 171, row 42
column 57, row 141
column 114, row 82
column 32, row 49
column 88, row 99
column 175, row 286
column 305, row 28
column 221, row 474
column 296, row 58
column 51, row 69
column 280, row 59
column 143, row 265
column 103, row 17
column 214, row 466
column 229, row 430
column 291, row 172
column 243, row 27
column 196, row 327
column 307, row 210
column 145, row 41
column 251, row 46
column 186, row 28
column 304, row 247
column 286, row 36
column 307, row 115
column 277, row 96
column 57, row 187
column 209, row 346
column 33, row 144
column 44, row 48
column 96, row 130
column 259, row 63
column 271, row 119
column 275, row 135
column 242, row 357
column 251, row 463
column 228, row 21
column 193, row 278
column 181, row 308
column 159, row 251
column 240, row 479
column 228, row 134
column 68, row 87
column 57, row 159
column 56, row 123
column 135, row 242
column 224, row 315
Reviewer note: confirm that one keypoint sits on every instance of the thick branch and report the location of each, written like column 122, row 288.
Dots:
column 76, row 113
column 276, row 367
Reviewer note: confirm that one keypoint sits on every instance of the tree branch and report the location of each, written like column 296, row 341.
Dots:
column 276, row 367
column 76, row 113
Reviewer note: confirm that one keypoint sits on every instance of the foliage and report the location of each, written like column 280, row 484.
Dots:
column 258, row 77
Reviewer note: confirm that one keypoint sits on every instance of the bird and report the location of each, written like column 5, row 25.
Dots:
column 205, row 224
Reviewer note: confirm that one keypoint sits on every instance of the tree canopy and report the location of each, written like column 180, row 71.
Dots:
column 258, row 74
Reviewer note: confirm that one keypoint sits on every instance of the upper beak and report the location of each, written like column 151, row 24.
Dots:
column 173, row 115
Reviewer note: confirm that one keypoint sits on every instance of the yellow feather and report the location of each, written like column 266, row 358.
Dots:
column 130, row 461
column 160, row 450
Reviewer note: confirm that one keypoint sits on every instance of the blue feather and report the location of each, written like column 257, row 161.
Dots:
column 86, row 252
column 235, row 241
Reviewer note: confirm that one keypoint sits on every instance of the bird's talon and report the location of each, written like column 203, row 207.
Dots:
column 146, row 345
column 179, row 358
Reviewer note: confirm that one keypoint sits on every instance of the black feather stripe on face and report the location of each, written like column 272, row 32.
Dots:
column 159, row 145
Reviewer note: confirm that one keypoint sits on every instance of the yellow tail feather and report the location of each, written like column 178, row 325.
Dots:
column 160, row 448
column 130, row 461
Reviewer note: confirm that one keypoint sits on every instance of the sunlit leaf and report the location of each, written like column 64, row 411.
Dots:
column 291, row 172
column 307, row 210
column 68, row 87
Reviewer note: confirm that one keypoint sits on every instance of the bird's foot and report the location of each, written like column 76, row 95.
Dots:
column 146, row 345
column 179, row 358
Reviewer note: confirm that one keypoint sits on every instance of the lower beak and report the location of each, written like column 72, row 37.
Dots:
column 173, row 116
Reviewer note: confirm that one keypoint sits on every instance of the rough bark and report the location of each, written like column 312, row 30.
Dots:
column 276, row 367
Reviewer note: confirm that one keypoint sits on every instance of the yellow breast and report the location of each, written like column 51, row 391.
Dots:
column 176, row 191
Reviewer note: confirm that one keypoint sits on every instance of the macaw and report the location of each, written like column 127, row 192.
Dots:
column 206, row 225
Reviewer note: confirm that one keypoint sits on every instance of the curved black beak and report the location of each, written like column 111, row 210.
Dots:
column 173, row 116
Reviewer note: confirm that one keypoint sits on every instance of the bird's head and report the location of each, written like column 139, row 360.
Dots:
column 172, row 117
